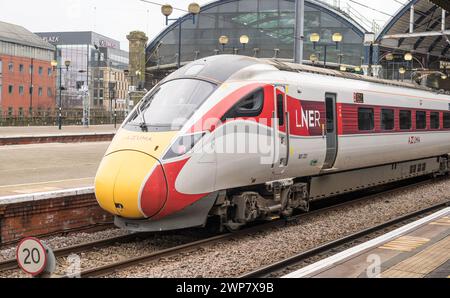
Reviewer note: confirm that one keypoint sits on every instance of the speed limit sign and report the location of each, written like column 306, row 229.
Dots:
column 31, row 256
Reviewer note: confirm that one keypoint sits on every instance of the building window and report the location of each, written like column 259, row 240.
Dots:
column 40, row 91
column 21, row 68
column 421, row 120
column 387, row 119
column 21, row 90
column 405, row 119
column 434, row 120
column 1, row 66
column 49, row 72
column 10, row 89
column 446, row 119
column 11, row 67
column 31, row 90
column 49, row 92
column 31, row 69
column 40, row 70
column 365, row 119
column 101, row 93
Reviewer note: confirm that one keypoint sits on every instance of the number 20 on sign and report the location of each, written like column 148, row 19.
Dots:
column 34, row 257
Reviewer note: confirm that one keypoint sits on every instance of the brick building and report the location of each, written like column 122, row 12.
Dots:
column 27, row 81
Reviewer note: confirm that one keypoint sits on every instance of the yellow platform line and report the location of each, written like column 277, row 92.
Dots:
column 422, row 263
column 405, row 243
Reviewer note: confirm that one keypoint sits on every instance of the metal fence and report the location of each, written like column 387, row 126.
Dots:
column 50, row 118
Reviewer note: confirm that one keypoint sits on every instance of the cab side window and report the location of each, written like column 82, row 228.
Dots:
column 250, row 106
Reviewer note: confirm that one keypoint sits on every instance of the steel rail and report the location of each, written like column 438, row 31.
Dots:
column 11, row 264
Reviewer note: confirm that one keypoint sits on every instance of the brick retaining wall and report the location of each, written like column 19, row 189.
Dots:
column 46, row 216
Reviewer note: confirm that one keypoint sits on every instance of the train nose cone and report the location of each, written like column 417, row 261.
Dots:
column 123, row 180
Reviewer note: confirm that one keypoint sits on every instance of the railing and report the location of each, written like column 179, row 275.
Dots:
column 50, row 118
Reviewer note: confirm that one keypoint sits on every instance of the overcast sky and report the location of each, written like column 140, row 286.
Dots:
column 116, row 18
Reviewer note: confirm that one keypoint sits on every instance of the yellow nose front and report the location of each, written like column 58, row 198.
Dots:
column 119, row 182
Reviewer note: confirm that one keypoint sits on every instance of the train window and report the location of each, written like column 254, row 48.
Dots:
column 405, row 119
column 421, row 120
column 169, row 106
column 280, row 109
column 365, row 119
column 387, row 119
column 250, row 106
column 434, row 120
column 446, row 120
column 329, row 101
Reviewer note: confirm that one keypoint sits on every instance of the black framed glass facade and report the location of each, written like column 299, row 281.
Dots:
column 269, row 24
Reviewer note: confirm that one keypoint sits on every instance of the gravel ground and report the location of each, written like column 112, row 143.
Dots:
column 56, row 242
column 233, row 258
column 109, row 254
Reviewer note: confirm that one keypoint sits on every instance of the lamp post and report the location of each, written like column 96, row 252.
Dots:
column 243, row 40
column 315, row 38
column 55, row 67
column 167, row 10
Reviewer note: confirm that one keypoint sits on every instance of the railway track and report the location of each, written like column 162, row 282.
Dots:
column 274, row 268
column 11, row 264
column 176, row 250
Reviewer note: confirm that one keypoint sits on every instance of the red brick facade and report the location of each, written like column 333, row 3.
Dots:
column 17, row 76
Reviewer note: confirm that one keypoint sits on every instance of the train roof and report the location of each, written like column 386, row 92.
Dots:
column 293, row 67
column 219, row 68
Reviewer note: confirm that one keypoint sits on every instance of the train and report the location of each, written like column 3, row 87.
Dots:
column 236, row 139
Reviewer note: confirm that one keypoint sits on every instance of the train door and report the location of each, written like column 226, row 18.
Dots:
column 281, row 128
column 331, row 131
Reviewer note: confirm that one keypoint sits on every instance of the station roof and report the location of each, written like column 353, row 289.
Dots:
column 19, row 35
column 427, row 36
column 442, row 3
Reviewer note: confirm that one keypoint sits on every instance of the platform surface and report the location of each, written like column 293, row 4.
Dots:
column 27, row 169
column 31, row 131
column 418, row 250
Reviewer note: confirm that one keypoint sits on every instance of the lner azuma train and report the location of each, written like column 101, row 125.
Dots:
column 242, row 139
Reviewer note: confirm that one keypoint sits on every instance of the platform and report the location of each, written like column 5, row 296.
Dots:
column 33, row 131
column 50, row 134
column 35, row 168
column 418, row 250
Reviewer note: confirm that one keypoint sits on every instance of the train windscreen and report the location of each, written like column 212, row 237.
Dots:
column 170, row 106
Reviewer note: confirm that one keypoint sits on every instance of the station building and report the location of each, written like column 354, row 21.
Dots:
column 414, row 44
column 96, row 63
column 269, row 24
column 27, row 80
column 418, row 31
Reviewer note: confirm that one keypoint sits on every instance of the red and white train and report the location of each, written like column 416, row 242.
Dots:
column 244, row 139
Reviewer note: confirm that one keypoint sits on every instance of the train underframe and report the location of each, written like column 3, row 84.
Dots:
column 238, row 207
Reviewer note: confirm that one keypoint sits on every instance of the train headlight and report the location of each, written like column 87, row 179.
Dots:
column 183, row 145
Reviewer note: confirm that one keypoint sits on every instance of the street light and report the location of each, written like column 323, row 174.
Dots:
column 167, row 10
column 408, row 57
column 54, row 64
column 243, row 40
column 389, row 56
column 336, row 38
column 402, row 70
column 313, row 58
